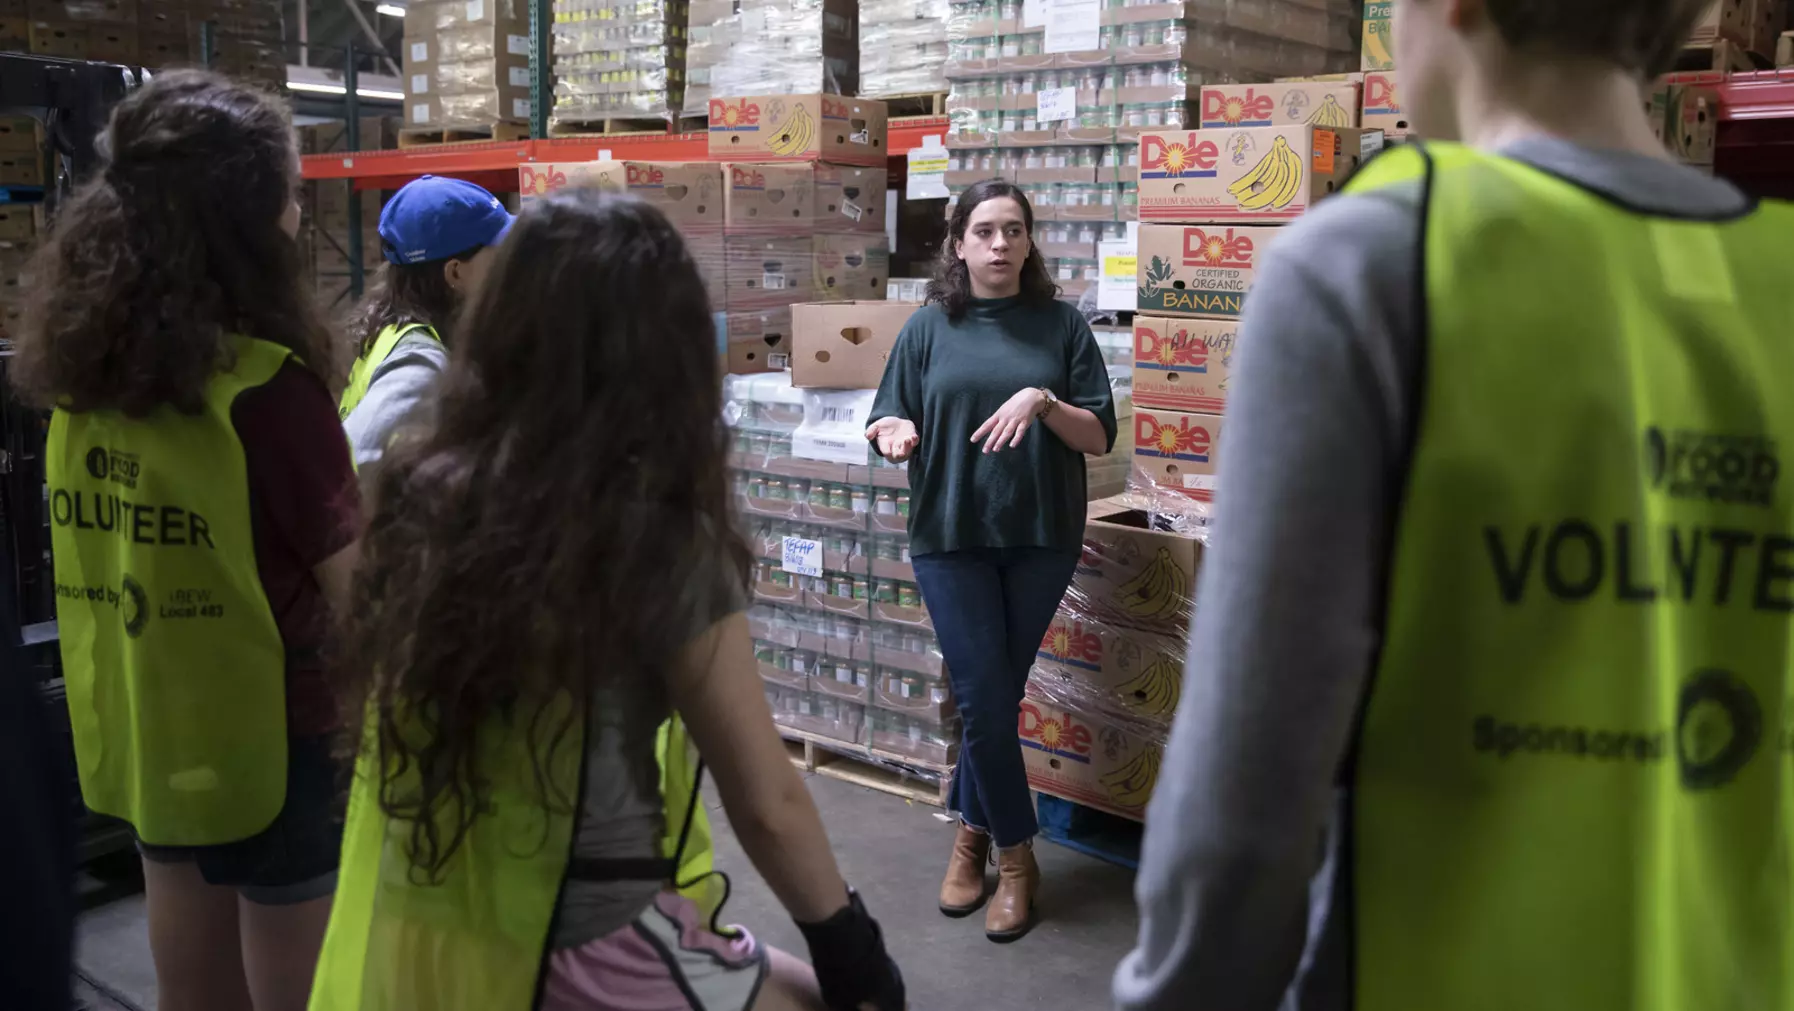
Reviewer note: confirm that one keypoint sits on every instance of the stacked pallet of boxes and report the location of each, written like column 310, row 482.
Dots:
column 903, row 47
column 1736, row 30
column 467, row 66
column 102, row 30
column 1211, row 202
column 21, row 165
column 1382, row 108
column 804, row 180
column 324, row 206
column 1059, row 109
column 768, row 47
column 618, row 60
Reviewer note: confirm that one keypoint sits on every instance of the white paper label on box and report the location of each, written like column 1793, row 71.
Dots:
column 420, row 51
column 1034, row 13
column 1073, row 26
column 860, row 137
column 476, row 9
column 772, row 282
column 517, row 45
column 519, row 77
column 803, row 557
column 834, row 426
column 420, row 113
column 1370, row 143
column 420, row 84
column 852, row 210
column 1117, row 289
column 520, row 108
column 1057, row 104
column 1199, row 482
column 927, row 171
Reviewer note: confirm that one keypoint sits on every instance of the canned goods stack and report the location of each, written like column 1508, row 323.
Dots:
column 846, row 648
column 618, row 59
column 903, row 47
column 1099, row 88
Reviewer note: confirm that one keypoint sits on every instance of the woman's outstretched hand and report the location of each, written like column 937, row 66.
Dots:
column 1006, row 427
column 895, row 437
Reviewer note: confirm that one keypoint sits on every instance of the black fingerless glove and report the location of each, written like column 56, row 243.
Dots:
column 848, row 953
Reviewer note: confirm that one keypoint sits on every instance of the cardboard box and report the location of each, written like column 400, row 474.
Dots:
column 15, row 35
column 1178, row 451
column 1183, row 364
column 113, row 44
column 851, row 198
column 1690, row 117
column 764, row 273
column 21, row 168
column 1227, row 106
column 758, row 340
column 769, row 198
column 689, row 193
column 1255, row 174
column 1132, row 576
column 116, row 12
column 850, row 266
column 1199, row 270
column 1725, row 19
column 846, row 131
column 18, row 133
column 1087, row 760
column 844, row 345
column 1113, row 670
column 59, row 38
column 1379, row 41
column 471, row 109
column 18, row 222
column 1383, row 106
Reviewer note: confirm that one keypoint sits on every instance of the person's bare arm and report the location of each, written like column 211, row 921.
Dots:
column 717, row 689
column 1078, row 428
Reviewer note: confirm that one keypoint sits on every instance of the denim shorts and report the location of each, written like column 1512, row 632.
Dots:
column 294, row 859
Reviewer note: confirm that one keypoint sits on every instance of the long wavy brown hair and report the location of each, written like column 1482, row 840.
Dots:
column 952, row 282
column 529, row 540
column 173, row 246
column 406, row 293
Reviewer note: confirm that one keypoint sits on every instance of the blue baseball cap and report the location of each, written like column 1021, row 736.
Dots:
column 434, row 218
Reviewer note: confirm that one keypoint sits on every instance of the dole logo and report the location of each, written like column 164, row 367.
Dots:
column 1253, row 109
column 1214, row 249
column 834, row 108
column 1067, row 641
column 645, row 175
column 746, row 178
column 537, row 182
column 1166, row 158
column 743, row 115
column 1054, row 731
column 1179, row 350
column 1380, row 94
column 1181, row 440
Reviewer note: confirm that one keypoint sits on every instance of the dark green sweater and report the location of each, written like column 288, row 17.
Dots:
column 948, row 377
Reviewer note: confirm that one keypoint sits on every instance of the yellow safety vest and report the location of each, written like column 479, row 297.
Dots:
column 1573, row 788
column 361, row 374
column 175, row 669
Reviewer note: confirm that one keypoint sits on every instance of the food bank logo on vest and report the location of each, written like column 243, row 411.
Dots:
column 1069, row 642
column 1057, row 733
column 111, row 465
column 1708, row 467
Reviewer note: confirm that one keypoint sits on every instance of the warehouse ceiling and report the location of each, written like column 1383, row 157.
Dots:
column 330, row 26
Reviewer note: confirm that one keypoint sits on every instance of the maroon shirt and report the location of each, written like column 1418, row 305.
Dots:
column 304, row 506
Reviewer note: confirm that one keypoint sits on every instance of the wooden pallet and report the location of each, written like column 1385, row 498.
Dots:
column 626, row 126
column 931, row 103
column 922, row 782
column 431, row 137
column 1718, row 54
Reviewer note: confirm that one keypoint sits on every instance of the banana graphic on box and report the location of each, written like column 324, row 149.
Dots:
column 1376, row 50
column 797, row 134
column 1273, row 183
column 1131, row 785
column 1157, row 592
column 1331, row 113
column 1157, row 690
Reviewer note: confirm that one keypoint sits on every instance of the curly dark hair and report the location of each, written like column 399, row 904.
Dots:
column 528, row 537
column 406, row 293
column 952, row 283
column 173, row 246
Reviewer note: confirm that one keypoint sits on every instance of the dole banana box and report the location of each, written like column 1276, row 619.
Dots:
column 1131, row 575
column 769, row 198
column 757, row 340
column 1113, row 670
column 851, row 198
column 854, row 265
column 1383, row 106
column 831, row 128
column 1199, row 270
column 1691, row 122
column 1249, row 174
column 762, row 272
column 1177, row 450
column 1183, row 364
column 690, row 194
column 1086, row 759
column 1379, row 43
column 1305, row 104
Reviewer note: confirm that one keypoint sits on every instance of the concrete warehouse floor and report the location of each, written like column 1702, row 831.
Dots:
column 893, row 852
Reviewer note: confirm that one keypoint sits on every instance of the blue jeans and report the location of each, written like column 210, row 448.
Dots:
column 990, row 608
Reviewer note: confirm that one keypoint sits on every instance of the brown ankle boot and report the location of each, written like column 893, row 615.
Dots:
column 962, row 890
column 1011, row 912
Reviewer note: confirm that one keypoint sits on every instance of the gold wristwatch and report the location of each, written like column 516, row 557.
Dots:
column 1048, row 402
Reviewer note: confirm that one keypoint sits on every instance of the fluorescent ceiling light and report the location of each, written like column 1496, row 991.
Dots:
column 390, row 10
column 337, row 89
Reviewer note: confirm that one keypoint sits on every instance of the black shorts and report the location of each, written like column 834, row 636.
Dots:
column 294, row 859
